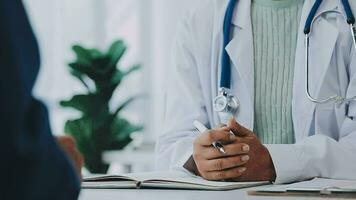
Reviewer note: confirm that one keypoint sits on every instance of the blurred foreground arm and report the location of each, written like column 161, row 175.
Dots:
column 32, row 165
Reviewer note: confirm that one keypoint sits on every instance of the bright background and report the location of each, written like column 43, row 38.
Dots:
column 147, row 26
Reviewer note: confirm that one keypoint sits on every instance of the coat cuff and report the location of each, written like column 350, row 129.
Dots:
column 182, row 154
column 287, row 162
column 185, row 157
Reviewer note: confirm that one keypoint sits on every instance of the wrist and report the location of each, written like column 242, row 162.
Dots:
column 191, row 166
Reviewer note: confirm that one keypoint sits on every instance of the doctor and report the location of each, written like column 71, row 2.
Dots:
column 289, row 124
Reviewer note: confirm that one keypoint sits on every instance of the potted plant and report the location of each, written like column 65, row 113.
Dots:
column 99, row 128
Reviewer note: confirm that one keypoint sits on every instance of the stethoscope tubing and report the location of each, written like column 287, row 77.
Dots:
column 307, row 30
column 225, row 79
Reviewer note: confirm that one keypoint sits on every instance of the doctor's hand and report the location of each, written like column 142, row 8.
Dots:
column 260, row 166
column 211, row 164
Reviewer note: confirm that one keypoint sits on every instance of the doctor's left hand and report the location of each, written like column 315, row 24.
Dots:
column 260, row 166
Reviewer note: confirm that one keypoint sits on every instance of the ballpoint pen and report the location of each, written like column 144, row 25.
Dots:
column 201, row 128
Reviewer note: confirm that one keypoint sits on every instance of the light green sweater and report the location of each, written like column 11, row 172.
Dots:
column 275, row 29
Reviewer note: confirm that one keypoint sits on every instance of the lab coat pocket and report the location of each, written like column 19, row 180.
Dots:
column 324, row 114
column 351, row 110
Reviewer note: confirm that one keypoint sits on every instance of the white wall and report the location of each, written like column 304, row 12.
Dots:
column 148, row 27
column 58, row 25
column 165, row 15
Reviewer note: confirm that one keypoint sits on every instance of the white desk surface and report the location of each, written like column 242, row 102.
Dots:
column 145, row 194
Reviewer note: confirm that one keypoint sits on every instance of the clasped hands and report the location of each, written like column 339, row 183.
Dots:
column 246, row 159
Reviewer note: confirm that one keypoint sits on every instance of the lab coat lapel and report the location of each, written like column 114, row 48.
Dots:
column 240, row 48
column 322, row 43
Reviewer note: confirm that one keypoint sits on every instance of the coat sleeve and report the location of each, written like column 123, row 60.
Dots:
column 185, row 102
column 320, row 155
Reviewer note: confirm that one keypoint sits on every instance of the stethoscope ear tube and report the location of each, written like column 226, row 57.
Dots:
column 227, row 103
column 348, row 11
column 307, row 29
column 311, row 16
column 349, row 14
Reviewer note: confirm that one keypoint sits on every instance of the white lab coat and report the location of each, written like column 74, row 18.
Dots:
column 325, row 134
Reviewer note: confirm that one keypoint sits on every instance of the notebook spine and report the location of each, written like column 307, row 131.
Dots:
column 138, row 184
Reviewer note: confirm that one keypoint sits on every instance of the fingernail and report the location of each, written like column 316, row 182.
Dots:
column 242, row 169
column 245, row 158
column 246, row 148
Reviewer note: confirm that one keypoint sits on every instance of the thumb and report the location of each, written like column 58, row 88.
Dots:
column 237, row 129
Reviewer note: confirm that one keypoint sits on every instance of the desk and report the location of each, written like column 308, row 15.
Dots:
column 144, row 194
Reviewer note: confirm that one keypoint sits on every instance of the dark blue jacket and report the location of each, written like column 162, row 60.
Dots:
column 32, row 167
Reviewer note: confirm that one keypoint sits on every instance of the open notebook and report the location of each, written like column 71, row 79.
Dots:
column 161, row 180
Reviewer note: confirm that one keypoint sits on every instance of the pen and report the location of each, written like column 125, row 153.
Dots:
column 201, row 128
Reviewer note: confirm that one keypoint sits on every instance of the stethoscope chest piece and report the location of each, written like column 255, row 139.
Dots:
column 226, row 102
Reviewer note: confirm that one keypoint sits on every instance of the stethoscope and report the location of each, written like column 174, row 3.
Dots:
column 226, row 102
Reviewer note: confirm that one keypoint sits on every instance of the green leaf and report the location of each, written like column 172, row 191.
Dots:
column 123, row 105
column 102, row 66
column 84, row 133
column 121, row 133
column 79, row 76
column 117, row 78
column 90, row 105
column 83, row 55
column 95, row 54
column 84, row 69
column 108, row 86
column 81, row 130
column 116, row 51
column 99, row 129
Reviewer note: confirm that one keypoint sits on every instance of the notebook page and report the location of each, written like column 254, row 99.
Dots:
column 92, row 178
column 190, row 186
column 163, row 175
column 109, row 185
column 183, row 177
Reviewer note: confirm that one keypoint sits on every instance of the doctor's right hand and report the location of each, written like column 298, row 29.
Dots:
column 211, row 164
